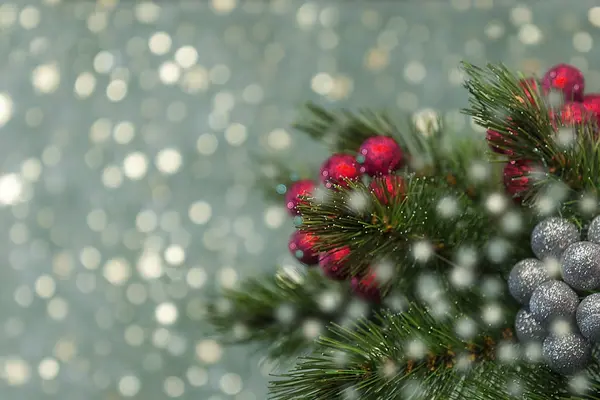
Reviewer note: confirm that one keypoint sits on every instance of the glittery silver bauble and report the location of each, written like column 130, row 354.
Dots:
column 552, row 236
column 552, row 300
column 525, row 277
column 527, row 328
column 581, row 266
column 588, row 317
column 568, row 353
column 593, row 234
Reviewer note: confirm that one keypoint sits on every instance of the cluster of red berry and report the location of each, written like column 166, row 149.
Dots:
column 575, row 108
column 378, row 157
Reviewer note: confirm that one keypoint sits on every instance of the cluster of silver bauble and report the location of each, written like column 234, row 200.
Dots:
column 553, row 313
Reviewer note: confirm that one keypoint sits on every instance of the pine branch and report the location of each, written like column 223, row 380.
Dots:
column 355, row 217
column 272, row 310
column 277, row 176
column 414, row 356
column 343, row 131
column 533, row 130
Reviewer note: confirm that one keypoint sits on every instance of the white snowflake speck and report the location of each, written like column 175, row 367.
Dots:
column 447, row 207
column 358, row 201
column 285, row 313
column 465, row 328
column 461, row 277
column 416, row 349
column 329, row 301
column 492, row 314
column 422, row 251
column 466, row 257
column 496, row 203
column 511, row 222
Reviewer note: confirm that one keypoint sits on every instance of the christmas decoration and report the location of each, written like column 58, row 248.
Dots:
column 366, row 287
column 592, row 103
column 575, row 113
column 334, row 264
column 404, row 335
column 525, row 277
column 379, row 155
column 301, row 245
column 552, row 236
column 567, row 353
column 388, row 189
column 581, row 266
column 516, row 177
column 527, row 328
column 297, row 190
column 553, row 300
column 593, row 233
column 496, row 141
column 339, row 168
column 588, row 317
column 565, row 78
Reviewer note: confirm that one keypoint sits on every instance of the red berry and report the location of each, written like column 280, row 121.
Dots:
column 495, row 140
column 565, row 78
column 302, row 246
column 339, row 167
column 379, row 155
column 591, row 102
column 293, row 196
column 333, row 263
column 516, row 179
column 575, row 114
column 366, row 287
column 388, row 188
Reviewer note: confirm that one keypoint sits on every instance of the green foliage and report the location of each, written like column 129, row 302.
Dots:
column 343, row 131
column 533, row 130
column 383, row 359
column 277, row 176
column 252, row 313
column 432, row 212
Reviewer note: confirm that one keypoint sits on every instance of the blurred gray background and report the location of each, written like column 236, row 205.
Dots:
column 127, row 193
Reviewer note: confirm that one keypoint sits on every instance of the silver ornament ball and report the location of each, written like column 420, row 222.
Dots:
column 552, row 236
column 525, row 277
column 588, row 317
column 581, row 266
column 568, row 353
column 553, row 300
column 527, row 328
column 593, row 234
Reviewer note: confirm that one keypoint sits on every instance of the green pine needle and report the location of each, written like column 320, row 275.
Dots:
column 380, row 360
column 251, row 313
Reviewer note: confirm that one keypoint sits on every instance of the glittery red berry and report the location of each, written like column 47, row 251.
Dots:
column 366, row 287
column 496, row 141
column 565, row 78
column 302, row 246
column 339, row 167
column 516, row 177
column 591, row 102
column 333, row 263
column 388, row 188
column 575, row 113
column 297, row 190
column 379, row 155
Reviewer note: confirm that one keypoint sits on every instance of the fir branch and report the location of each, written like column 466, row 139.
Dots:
column 532, row 130
column 271, row 310
column 384, row 360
